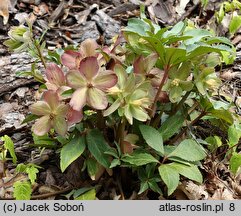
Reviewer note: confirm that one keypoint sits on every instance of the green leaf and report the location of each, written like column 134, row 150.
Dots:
column 8, row 143
column 139, row 159
column 214, row 142
column 89, row 195
column 77, row 193
column 154, row 186
column 191, row 171
column 29, row 118
column 171, row 126
column 114, row 163
column 234, row 134
column 71, row 151
column 143, row 187
column 22, row 190
column 137, row 26
column 67, row 93
column 92, row 167
column 174, row 56
column 152, row 137
column 169, row 176
column 98, row 146
column 189, row 150
column 235, row 162
column 222, row 114
column 235, row 24
column 44, row 141
column 32, row 173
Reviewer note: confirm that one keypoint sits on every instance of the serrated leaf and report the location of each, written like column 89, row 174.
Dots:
column 171, row 126
column 235, row 162
column 32, row 173
column 89, row 195
column 152, row 137
column 98, row 146
column 189, row 150
column 22, row 190
column 139, row 159
column 169, row 176
column 8, row 143
column 190, row 172
column 71, row 151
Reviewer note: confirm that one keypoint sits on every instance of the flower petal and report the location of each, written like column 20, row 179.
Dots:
column 138, row 65
column 42, row 126
column 96, row 99
column 89, row 67
column 60, row 125
column 62, row 110
column 40, row 108
column 71, row 59
column 74, row 116
column 75, row 79
column 88, row 47
column 55, row 75
column 52, row 99
column 139, row 113
column 105, row 80
column 112, row 108
column 150, row 61
column 78, row 99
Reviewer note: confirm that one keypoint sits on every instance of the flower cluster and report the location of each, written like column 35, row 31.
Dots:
column 98, row 79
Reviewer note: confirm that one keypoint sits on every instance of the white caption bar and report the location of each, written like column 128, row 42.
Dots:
column 120, row 208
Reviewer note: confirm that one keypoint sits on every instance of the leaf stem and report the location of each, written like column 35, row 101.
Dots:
column 40, row 54
column 165, row 76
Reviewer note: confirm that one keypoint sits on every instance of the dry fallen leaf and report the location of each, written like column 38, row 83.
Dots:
column 4, row 10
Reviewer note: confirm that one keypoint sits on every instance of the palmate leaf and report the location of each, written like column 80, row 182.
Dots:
column 188, row 150
column 71, row 151
column 152, row 137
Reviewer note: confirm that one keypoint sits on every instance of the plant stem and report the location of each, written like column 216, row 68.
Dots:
column 40, row 54
column 121, row 134
column 152, row 110
column 100, row 120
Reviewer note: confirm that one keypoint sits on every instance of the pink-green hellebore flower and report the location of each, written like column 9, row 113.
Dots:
column 72, row 59
column 53, row 115
column 90, row 84
column 55, row 79
column 144, row 66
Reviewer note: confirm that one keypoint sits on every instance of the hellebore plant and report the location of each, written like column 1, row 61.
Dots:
column 136, row 104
